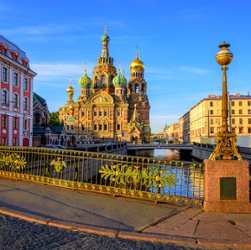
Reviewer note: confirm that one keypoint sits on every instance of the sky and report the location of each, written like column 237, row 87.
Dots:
column 177, row 41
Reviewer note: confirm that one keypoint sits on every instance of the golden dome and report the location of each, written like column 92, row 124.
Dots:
column 137, row 63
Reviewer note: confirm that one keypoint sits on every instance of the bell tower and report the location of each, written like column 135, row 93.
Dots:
column 137, row 90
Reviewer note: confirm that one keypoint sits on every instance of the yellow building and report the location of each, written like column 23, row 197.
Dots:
column 205, row 117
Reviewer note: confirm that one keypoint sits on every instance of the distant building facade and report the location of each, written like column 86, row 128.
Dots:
column 16, row 105
column 108, row 108
column 204, row 119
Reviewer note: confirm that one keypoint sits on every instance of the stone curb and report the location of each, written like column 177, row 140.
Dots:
column 178, row 240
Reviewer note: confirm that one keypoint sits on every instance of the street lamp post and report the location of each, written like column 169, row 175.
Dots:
column 225, row 141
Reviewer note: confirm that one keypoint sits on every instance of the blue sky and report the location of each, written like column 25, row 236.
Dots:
column 177, row 41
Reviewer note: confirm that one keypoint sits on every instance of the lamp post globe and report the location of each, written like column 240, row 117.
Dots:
column 224, row 56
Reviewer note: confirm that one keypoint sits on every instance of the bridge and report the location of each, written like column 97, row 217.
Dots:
column 162, row 146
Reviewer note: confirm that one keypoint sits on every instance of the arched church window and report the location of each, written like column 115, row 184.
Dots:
column 103, row 80
column 136, row 88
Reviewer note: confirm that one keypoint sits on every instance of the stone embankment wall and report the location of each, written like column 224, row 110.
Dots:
column 203, row 151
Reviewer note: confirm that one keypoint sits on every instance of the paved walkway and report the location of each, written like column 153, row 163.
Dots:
column 124, row 218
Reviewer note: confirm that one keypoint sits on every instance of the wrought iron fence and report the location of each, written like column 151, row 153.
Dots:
column 119, row 175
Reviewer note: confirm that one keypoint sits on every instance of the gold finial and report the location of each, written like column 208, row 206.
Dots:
column 70, row 81
column 119, row 68
column 137, row 51
column 85, row 68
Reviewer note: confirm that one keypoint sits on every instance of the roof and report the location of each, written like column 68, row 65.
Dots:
column 12, row 46
column 38, row 98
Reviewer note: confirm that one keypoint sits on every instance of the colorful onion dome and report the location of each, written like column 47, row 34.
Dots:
column 105, row 37
column 85, row 81
column 119, row 80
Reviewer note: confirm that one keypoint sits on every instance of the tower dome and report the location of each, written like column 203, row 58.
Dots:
column 105, row 37
column 119, row 80
column 137, row 62
column 85, row 81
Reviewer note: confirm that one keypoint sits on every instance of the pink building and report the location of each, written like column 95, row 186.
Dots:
column 16, row 99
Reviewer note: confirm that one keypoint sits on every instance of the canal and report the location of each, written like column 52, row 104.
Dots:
column 165, row 154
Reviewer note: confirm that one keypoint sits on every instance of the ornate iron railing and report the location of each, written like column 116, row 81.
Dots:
column 119, row 175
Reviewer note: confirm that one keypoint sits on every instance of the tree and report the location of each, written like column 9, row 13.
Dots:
column 54, row 119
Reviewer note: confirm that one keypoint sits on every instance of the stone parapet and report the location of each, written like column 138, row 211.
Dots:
column 227, row 186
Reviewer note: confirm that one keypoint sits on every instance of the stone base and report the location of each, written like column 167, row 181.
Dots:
column 217, row 169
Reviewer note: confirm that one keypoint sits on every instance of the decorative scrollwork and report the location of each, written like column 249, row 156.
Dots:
column 59, row 165
column 122, row 174
column 14, row 161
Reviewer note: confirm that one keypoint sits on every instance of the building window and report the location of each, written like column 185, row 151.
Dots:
column 249, row 111
column 83, row 113
column 15, row 141
column 15, row 100
column 105, row 127
column 15, row 79
column 233, row 130
column 83, row 127
column 4, row 122
column 25, row 103
column 249, row 103
column 211, row 130
column 240, row 121
column 4, row 97
column 211, row 112
column 103, row 80
column 15, row 122
column 4, row 141
column 118, row 126
column 211, row 121
column 26, row 84
column 232, row 103
column 240, row 103
column 233, row 120
column 249, row 120
column 95, row 127
column 240, row 111
column 249, row 130
column 241, row 130
column 25, row 124
column 211, row 104
column 118, row 113
column 105, row 113
column 100, row 113
column 100, row 126
column 111, row 78
column 95, row 113
column 233, row 111
column 4, row 74
column 5, row 51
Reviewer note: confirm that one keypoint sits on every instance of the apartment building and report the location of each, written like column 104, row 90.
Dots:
column 204, row 119
column 16, row 104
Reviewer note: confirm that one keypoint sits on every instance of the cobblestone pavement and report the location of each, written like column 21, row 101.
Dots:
column 20, row 234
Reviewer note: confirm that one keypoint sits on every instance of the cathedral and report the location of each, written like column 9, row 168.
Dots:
column 109, row 108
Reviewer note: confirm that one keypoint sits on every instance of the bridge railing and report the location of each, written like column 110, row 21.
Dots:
column 118, row 175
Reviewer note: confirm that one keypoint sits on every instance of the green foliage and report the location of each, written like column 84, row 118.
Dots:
column 54, row 119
